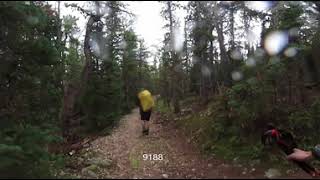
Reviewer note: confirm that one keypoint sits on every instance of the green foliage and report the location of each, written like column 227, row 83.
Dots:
column 136, row 72
column 213, row 130
column 162, row 107
column 100, row 103
column 247, row 101
column 303, row 119
column 23, row 153
column 290, row 16
column 73, row 65
column 29, row 73
column 30, row 88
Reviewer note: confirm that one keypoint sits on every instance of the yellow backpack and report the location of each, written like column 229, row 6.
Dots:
column 146, row 100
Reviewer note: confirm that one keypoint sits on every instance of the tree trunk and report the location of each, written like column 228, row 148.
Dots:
column 246, row 30
column 60, row 45
column 59, row 36
column 187, row 61
column 223, row 53
column 263, row 31
column 73, row 91
column 211, row 63
column 232, row 38
column 140, row 65
column 175, row 59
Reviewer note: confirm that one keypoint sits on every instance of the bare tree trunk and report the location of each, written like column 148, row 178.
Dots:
column 263, row 29
column 59, row 37
column 175, row 60
column 125, row 79
column 232, row 38
column 246, row 29
column 187, row 63
column 275, row 16
column 60, row 45
column 73, row 91
column 87, row 52
column 211, row 63
column 140, row 65
column 223, row 53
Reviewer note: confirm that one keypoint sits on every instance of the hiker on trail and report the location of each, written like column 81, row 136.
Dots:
column 145, row 102
column 302, row 156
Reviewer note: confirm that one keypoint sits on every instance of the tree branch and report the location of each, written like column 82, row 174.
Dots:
column 88, row 13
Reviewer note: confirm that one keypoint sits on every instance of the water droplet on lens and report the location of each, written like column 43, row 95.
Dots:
column 274, row 60
column 290, row 52
column 194, row 60
column 205, row 71
column 123, row 44
column 250, row 62
column 236, row 54
column 251, row 37
column 259, row 52
column 178, row 39
column 236, row 75
column 259, row 5
column 275, row 42
column 294, row 32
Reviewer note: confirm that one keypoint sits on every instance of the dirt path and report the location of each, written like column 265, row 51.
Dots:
column 126, row 146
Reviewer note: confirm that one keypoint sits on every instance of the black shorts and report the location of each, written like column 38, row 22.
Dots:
column 145, row 115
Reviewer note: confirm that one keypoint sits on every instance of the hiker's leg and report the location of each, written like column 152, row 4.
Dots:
column 143, row 125
column 142, row 121
column 147, row 121
column 147, row 125
column 145, row 130
column 145, row 117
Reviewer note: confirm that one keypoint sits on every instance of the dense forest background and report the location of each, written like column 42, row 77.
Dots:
column 55, row 90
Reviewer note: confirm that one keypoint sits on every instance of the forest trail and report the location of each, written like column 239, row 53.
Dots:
column 126, row 146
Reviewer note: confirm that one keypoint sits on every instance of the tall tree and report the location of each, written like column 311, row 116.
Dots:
column 174, row 54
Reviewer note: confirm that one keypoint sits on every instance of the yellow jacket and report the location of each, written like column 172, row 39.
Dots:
column 146, row 100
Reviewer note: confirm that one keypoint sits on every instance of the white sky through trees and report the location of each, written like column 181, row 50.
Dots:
column 148, row 24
